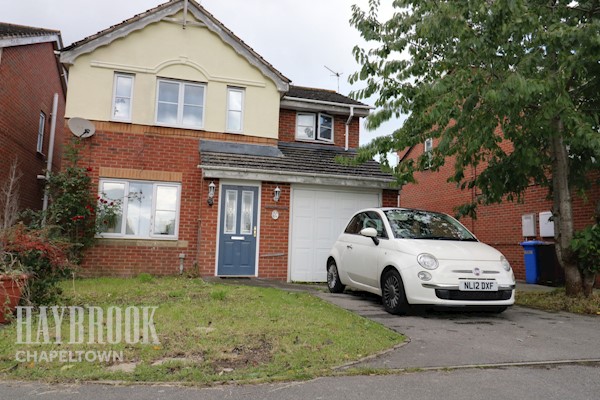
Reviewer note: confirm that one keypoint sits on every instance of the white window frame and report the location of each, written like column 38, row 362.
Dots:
column 114, row 97
column 151, row 235
column 241, row 111
column 180, row 104
column 41, row 128
column 316, row 127
column 428, row 149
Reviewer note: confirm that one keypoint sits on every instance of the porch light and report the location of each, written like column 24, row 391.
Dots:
column 276, row 194
column 211, row 193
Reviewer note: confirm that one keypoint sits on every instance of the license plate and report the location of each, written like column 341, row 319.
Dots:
column 478, row 286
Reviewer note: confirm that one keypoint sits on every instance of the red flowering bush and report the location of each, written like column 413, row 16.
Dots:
column 37, row 254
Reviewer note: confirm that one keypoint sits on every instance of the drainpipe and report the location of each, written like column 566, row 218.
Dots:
column 348, row 125
column 50, row 152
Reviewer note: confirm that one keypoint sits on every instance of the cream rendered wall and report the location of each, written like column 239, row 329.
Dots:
column 165, row 49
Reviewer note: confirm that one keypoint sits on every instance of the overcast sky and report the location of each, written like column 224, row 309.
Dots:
column 299, row 37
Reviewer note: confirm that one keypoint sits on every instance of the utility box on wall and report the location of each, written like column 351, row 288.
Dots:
column 528, row 225
column 546, row 224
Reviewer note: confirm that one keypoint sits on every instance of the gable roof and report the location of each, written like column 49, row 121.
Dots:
column 289, row 162
column 164, row 11
column 307, row 99
column 330, row 96
column 19, row 35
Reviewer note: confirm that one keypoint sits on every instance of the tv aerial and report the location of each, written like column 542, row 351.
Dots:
column 337, row 75
column 82, row 128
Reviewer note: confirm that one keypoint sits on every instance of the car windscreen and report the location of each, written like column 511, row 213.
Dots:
column 416, row 224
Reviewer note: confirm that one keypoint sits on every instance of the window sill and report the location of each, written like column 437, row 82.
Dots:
column 196, row 128
column 136, row 242
column 315, row 141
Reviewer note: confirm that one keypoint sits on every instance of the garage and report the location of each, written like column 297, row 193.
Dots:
column 318, row 216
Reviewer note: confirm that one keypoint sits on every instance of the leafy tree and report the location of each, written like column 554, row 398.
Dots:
column 463, row 69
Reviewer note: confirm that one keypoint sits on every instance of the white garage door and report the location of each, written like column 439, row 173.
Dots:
column 318, row 217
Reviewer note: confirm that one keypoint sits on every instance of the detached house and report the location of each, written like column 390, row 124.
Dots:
column 32, row 82
column 221, row 166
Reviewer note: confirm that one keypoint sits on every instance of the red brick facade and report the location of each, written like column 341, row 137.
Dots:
column 29, row 78
column 287, row 129
column 129, row 151
column 498, row 225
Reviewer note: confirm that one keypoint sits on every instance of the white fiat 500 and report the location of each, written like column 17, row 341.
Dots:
column 413, row 257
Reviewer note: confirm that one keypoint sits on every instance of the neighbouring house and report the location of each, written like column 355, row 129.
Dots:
column 222, row 167
column 30, row 77
column 504, row 225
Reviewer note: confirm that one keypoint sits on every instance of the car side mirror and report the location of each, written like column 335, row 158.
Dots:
column 372, row 233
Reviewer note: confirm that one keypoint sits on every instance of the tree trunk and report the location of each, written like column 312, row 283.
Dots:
column 563, row 212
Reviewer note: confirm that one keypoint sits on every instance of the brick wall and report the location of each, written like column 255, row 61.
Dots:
column 29, row 77
column 147, row 152
column 389, row 198
column 287, row 129
column 498, row 225
column 112, row 149
column 274, row 233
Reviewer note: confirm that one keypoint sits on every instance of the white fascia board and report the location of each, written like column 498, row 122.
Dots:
column 299, row 104
column 23, row 41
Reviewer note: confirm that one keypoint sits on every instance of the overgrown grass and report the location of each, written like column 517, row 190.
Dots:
column 557, row 300
column 209, row 333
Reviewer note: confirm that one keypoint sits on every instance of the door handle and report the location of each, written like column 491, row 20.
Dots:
column 255, row 231
column 349, row 246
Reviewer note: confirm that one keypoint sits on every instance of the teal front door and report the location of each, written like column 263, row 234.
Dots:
column 237, row 231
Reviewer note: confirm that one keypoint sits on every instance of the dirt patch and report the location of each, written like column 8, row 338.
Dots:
column 256, row 352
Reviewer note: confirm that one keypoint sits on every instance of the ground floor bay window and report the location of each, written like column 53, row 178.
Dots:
column 148, row 210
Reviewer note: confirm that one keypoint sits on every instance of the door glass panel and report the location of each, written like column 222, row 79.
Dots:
column 247, row 212
column 230, row 211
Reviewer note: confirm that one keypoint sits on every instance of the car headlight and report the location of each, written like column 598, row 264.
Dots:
column 427, row 261
column 505, row 263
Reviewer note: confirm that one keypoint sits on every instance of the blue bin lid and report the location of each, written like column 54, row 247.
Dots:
column 534, row 243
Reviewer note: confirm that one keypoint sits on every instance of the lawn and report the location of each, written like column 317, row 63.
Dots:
column 557, row 300
column 208, row 333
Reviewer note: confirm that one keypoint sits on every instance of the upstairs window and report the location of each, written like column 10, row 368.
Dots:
column 428, row 151
column 235, row 109
column 316, row 127
column 40, row 139
column 180, row 104
column 122, row 97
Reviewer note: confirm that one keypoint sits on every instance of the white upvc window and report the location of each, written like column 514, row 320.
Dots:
column 180, row 104
column 316, row 127
column 235, row 109
column 428, row 150
column 40, row 138
column 122, row 97
column 148, row 210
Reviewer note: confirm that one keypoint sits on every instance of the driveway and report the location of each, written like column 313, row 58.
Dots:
column 450, row 339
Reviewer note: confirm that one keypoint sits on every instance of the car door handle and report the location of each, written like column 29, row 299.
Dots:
column 349, row 246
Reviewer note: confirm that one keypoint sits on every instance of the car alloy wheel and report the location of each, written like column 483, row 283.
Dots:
column 394, row 299
column 333, row 279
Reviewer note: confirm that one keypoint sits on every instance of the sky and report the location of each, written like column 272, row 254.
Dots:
column 298, row 37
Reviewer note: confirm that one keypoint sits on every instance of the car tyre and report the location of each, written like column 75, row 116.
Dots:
column 333, row 278
column 392, row 293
